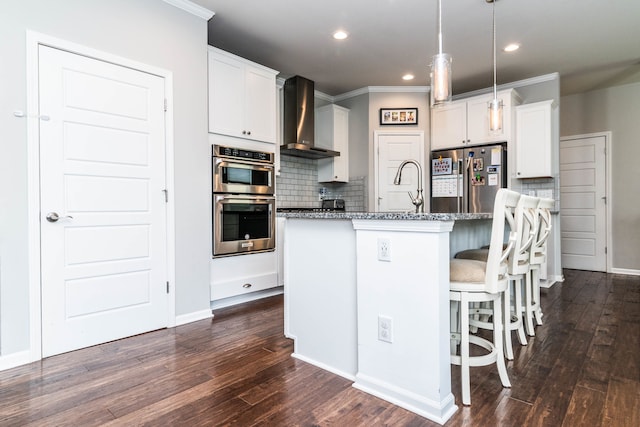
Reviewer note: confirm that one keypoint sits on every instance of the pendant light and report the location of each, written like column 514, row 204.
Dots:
column 440, row 70
column 495, row 105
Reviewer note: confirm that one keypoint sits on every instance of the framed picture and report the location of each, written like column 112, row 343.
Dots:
column 398, row 116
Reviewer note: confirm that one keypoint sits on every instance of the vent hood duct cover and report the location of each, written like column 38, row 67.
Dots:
column 299, row 120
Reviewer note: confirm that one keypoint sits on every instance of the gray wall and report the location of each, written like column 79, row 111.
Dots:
column 419, row 99
column 147, row 31
column 615, row 109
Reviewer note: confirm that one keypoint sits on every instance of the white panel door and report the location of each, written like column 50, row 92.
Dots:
column 583, row 203
column 392, row 149
column 102, row 171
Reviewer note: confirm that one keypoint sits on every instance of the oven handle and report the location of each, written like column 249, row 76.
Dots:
column 249, row 165
column 227, row 198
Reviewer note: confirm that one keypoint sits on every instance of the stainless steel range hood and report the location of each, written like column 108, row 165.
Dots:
column 298, row 132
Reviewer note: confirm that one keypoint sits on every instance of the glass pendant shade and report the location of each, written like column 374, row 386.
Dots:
column 495, row 115
column 440, row 79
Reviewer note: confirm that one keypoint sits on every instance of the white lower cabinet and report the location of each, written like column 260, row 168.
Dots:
column 242, row 274
column 332, row 132
column 534, row 138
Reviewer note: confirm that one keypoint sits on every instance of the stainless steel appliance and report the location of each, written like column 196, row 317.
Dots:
column 299, row 121
column 243, row 224
column 242, row 171
column 467, row 180
column 243, row 201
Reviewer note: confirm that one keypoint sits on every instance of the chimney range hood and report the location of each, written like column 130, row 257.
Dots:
column 298, row 132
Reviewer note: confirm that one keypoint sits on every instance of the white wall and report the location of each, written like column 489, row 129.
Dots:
column 615, row 109
column 147, row 31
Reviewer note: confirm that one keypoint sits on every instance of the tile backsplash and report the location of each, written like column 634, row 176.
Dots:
column 540, row 187
column 298, row 186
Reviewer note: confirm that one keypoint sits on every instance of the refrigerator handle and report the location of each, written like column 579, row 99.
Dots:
column 460, row 190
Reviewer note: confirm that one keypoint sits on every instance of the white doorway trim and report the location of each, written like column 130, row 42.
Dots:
column 608, row 157
column 33, row 41
column 377, row 134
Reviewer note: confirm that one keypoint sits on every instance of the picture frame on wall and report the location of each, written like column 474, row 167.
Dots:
column 398, row 116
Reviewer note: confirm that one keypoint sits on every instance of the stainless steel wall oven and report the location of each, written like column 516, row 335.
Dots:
column 243, row 201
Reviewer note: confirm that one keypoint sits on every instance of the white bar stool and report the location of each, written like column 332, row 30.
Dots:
column 478, row 281
column 525, row 226
column 533, row 309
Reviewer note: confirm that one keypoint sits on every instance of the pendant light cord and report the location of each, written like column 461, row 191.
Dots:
column 495, row 91
column 440, row 27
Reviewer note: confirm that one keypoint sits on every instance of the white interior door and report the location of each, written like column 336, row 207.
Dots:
column 392, row 149
column 583, row 218
column 102, row 170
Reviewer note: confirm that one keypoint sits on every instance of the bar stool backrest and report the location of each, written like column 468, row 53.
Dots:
column 543, row 216
column 526, row 228
column 496, row 278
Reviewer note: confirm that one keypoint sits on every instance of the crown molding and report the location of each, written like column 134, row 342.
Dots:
column 382, row 89
column 512, row 85
column 192, row 8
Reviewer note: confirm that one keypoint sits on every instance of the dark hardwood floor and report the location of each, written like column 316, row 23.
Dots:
column 581, row 369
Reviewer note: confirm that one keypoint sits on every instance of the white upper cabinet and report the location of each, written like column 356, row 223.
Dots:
column 449, row 125
column 466, row 121
column 534, row 139
column 242, row 97
column 332, row 132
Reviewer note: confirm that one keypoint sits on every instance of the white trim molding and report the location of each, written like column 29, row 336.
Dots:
column 183, row 319
column 33, row 41
column 15, row 359
column 192, row 8
column 608, row 147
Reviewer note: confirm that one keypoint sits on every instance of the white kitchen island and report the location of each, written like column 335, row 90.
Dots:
column 338, row 290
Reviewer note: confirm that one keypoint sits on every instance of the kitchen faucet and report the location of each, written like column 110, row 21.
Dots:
column 417, row 201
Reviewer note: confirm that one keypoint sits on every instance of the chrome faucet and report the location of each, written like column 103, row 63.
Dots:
column 417, row 201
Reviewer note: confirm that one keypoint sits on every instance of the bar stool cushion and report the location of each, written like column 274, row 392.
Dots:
column 467, row 270
column 477, row 254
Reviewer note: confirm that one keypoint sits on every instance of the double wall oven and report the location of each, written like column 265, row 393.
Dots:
column 243, row 201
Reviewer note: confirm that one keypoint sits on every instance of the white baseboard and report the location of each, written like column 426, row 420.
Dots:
column 228, row 302
column 328, row 368
column 627, row 271
column 550, row 281
column 183, row 319
column 15, row 359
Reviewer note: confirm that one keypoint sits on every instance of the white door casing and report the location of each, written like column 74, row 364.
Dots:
column 392, row 148
column 583, row 202
column 103, row 170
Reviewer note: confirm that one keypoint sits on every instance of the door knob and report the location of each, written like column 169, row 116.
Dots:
column 53, row 217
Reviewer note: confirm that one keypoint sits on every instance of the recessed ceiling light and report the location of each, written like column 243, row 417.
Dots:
column 408, row 77
column 340, row 35
column 512, row 47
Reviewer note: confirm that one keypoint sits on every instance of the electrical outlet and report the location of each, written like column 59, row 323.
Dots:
column 384, row 249
column 385, row 329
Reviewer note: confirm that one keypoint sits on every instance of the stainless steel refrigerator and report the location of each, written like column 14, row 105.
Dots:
column 467, row 180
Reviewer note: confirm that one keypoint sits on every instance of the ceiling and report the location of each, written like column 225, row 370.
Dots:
column 591, row 44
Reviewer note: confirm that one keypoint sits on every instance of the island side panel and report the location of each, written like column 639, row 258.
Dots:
column 411, row 289
column 320, row 293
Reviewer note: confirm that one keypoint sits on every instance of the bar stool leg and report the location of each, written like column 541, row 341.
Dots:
column 465, row 378
column 498, row 333
column 537, row 310
column 518, row 312
column 528, row 317
column 506, row 307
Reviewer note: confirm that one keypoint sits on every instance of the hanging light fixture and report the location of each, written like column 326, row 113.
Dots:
column 495, row 105
column 440, row 70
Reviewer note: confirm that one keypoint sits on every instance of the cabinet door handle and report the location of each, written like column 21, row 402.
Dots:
column 246, row 285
